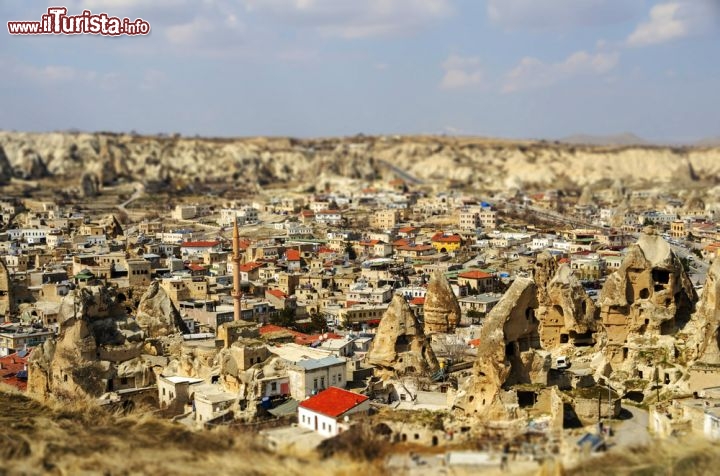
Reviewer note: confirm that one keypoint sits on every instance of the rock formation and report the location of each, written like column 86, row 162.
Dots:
column 112, row 226
column 6, row 170
column 702, row 332
column 441, row 309
column 157, row 315
column 400, row 346
column 509, row 354
column 566, row 313
column 89, row 186
column 649, row 295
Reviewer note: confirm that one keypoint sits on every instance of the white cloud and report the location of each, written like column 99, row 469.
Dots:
column 532, row 73
column 547, row 14
column 353, row 18
column 674, row 20
column 461, row 72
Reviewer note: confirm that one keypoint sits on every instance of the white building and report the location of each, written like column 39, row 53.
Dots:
column 325, row 412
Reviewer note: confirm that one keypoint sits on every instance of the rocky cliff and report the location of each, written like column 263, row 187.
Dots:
column 489, row 164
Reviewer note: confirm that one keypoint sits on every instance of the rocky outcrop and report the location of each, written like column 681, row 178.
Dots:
column 112, row 226
column 89, row 185
column 649, row 295
column 543, row 272
column 400, row 346
column 509, row 354
column 566, row 313
column 157, row 315
column 441, row 310
column 6, row 171
column 702, row 332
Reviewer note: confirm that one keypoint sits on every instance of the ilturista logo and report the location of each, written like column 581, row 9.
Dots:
column 57, row 22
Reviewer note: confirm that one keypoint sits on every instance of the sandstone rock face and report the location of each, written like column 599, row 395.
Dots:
column 703, row 338
column 157, row 315
column 400, row 346
column 6, row 171
column 509, row 353
column 441, row 308
column 112, row 226
column 650, row 295
column 89, row 186
column 488, row 164
column 544, row 270
column 98, row 347
column 566, row 313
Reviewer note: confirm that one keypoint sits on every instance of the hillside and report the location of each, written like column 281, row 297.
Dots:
column 482, row 163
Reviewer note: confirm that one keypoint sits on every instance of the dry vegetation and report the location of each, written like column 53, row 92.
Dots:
column 71, row 438
column 670, row 457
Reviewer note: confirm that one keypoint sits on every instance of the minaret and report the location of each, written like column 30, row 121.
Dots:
column 236, row 293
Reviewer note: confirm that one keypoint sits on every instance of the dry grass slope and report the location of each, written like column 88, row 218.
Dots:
column 73, row 438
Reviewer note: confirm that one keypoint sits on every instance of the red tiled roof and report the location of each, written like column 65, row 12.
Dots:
column 474, row 275
column 11, row 365
column 474, row 342
column 369, row 243
column 333, row 402
column 245, row 244
column 407, row 229
column 563, row 260
column 252, row 266
column 324, row 249
column 200, row 244
column 401, row 242
column 196, row 267
column 417, row 301
column 440, row 238
column 292, row 255
column 277, row 293
column 307, row 213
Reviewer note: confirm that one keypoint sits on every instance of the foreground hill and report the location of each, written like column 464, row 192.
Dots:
column 77, row 438
column 482, row 163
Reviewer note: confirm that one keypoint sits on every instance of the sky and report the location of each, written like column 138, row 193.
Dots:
column 541, row 69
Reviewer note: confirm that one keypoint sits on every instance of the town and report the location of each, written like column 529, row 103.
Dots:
column 506, row 327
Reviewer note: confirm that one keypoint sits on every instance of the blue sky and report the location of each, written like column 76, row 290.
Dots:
column 508, row 68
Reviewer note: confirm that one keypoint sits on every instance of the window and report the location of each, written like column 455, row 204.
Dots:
column 323, row 425
column 315, row 384
column 322, row 382
column 273, row 387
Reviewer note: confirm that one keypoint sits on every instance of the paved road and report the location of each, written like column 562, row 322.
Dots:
column 139, row 191
column 632, row 432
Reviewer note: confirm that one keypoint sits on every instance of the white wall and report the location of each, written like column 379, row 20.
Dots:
column 322, row 424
